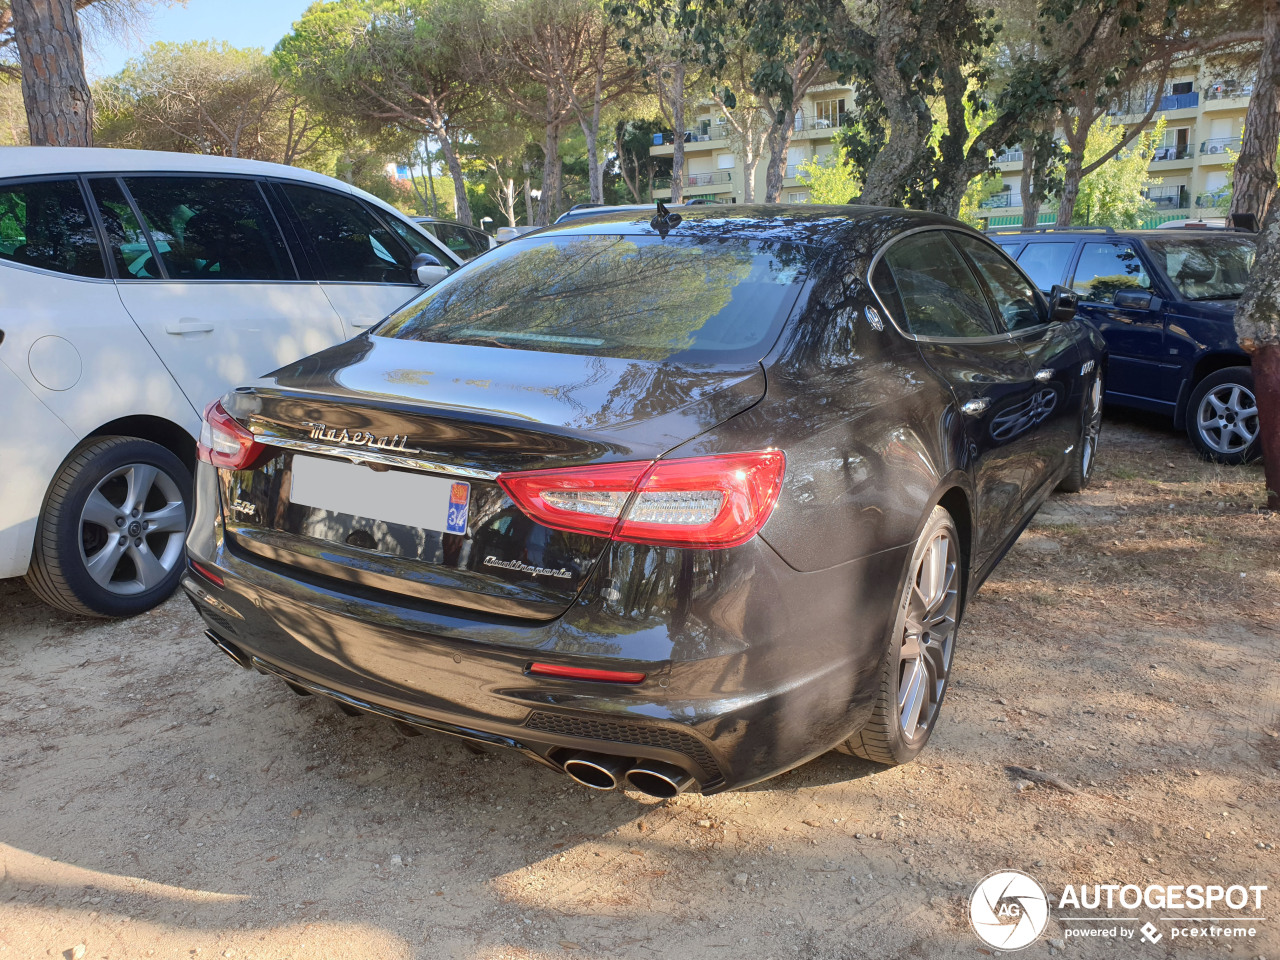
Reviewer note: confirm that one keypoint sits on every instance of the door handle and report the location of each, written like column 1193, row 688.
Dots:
column 973, row 408
column 188, row 325
column 364, row 321
column 1044, row 375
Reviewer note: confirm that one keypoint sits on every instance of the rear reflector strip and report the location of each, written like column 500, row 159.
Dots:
column 582, row 673
column 206, row 573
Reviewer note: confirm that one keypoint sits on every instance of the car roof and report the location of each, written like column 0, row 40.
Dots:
column 789, row 222
column 1070, row 233
column 52, row 161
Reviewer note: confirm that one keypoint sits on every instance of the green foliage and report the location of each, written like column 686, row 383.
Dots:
column 13, row 116
column 980, row 188
column 830, row 179
column 1111, row 196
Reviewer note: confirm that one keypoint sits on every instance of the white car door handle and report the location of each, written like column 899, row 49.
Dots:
column 364, row 321
column 1044, row 375
column 188, row 325
column 976, row 406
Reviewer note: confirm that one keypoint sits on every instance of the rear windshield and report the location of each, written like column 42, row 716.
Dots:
column 693, row 299
column 1206, row 268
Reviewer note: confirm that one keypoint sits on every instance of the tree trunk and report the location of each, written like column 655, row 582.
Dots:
column 750, row 161
column 591, row 130
column 1026, row 184
column 431, row 183
column 1255, row 173
column 54, row 88
column 1258, row 330
column 633, row 185
column 551, row 168
column 528, row 202
column 677, row 122
column 461, row 208
column 1071, row 177
column 779, row 142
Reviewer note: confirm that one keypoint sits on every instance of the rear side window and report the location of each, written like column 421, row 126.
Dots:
column 1106, row 268
column 208, row 228
column 126, row 240
column 47, row 225
column 939, row 294
column 1046, row 262
column 466, row 243
column 351, row 243
column 1017, row 305
column 706, row 299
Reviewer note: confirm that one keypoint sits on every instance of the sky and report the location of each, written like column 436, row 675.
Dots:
column 241, row 23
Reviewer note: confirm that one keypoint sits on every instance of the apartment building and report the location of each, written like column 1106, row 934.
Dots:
column 713, row 157
column 1203, row 105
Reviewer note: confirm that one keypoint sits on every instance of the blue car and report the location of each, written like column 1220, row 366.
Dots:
column 1164, row 300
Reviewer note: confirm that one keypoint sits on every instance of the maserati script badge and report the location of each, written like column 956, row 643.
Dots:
column 358, row 438
column 528, row 568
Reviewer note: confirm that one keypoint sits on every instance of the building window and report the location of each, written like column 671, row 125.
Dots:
column 1180, row 88
column 796, row 196
column 725, row 161
column 828, row 112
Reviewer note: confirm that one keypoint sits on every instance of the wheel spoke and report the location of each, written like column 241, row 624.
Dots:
column 102, row 565
column 1218, row 406
column 911, row 700
column 911, row 641
column 171, row 518
column 150, row 570
column 98, row 509
column 141, row 478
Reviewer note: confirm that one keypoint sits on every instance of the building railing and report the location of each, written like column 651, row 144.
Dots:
column 818, row 121
column 1170, row 101
column 714, row 131
column 696, row 179
column 1221, row 145
column 1178, row 151
column 1211, row 200
column 1009, row 156
column 1228, row 90
column 1171, row 198
column 1008, row 199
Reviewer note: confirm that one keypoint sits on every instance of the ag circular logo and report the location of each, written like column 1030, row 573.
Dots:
column 1008, row 910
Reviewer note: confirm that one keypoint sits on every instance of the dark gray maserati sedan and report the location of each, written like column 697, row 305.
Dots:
column 677, row 502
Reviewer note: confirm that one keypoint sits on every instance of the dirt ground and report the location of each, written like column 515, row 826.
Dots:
column 156, row 800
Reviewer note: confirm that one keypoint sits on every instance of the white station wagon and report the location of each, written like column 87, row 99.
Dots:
column 136, row 288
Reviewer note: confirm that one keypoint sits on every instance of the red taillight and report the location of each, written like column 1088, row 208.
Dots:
column 224, row 443
column 704, row 502
column 206, row 573
column 583, row 673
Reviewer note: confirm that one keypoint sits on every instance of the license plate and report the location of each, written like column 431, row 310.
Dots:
column 393, row 496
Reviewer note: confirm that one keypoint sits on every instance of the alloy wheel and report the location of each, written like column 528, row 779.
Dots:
column 1228, row 418
column 132, row 528
column 928, row 638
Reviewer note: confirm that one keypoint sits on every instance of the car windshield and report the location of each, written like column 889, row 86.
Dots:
column 1206, row 268
column 696, row 299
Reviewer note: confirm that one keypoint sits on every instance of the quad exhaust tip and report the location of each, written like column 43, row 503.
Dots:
column 598, row 771
column 654, row 778
column 658, row 779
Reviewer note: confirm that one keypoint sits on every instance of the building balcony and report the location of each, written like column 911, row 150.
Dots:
column 816, row 125
column 1168, row 198
column 1169, row 102
column 1000, row 200
column 1181, row 151
column 1220, row 146
column 720, row 181
column 1009, row 156
column 1228, row 95
column 1206, row 201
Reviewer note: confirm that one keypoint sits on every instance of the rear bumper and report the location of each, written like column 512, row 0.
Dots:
column 751, row 667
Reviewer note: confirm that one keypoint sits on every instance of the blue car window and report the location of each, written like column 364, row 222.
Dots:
column 1045, row 262
column 1106, row 268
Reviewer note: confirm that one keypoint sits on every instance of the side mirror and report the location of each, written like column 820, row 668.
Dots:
column 427, row 270
column 1134, row 300
column 1062, row 304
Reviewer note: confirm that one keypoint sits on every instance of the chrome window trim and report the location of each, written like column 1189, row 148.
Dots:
column 994, row 338
column 358, row 455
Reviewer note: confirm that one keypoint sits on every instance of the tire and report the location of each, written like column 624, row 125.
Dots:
column 1080, row 465
column 887, row 738
column 1222, row 417
column 132, row 559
